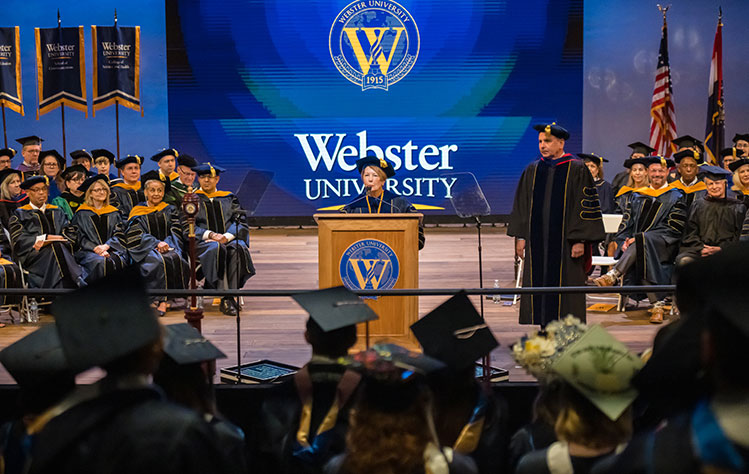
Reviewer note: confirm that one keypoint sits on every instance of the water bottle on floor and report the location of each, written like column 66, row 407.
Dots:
column 496, row 298
column 33, row 311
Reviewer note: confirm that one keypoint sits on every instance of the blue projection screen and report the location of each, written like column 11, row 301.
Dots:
column 288, row 95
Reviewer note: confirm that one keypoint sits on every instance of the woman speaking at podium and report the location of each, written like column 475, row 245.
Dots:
column 375, row 199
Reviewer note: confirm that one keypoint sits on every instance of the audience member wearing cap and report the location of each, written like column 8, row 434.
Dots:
column 43, row 240
column 467, row 416
column 37, row 364
column 185, row 374
column 101, row 231
column 639, row 150
column 30, row 148
column 103, row 160
column 741, row 141
column 154, row 237
column 637, row 178
column 51, row 165
column 72, row 198
column 711, row 435
column 167, row 161
column 688, row 163
column 222, row 237
column 185, row 179
column 304, row 422
column 560, row 187
column 391, row 422
column 83, row 158
column 6, row 157
column 11, row 194
column 121, row 424
column 595, row 418
column 128, row 193
column 375, row 199
column 728, row 156
column 740, row 170
column 714, row 221
column 649, row 236
column 605, row 195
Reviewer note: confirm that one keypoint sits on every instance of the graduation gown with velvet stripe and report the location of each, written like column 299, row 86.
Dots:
column 10, row 274
column 556, row 205
column 220, row 212
column 656, row 219
column 98, row 227
column 605, row 196
column 714, row 222
column 52, row 266
column 146, row 227
column 391, row 204
column 125, row 197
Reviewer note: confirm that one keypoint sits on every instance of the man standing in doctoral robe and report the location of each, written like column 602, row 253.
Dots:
column 556, row 214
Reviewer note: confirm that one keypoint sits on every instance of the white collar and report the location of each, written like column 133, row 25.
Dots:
column 694, row 181
column 665, row 185
column 43, row 208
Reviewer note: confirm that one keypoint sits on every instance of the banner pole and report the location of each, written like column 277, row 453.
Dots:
column 5, row 132
column 64, row 150
column 117, row 126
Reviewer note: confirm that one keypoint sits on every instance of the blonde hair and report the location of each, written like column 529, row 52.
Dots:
column 380, row 172
column 631, row 182
column 4, row 191
column 88, row 199
column 737, row 186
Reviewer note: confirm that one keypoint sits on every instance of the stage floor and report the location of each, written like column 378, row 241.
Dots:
column 272, row 328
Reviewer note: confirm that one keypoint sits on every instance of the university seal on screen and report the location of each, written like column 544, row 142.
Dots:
column 374, row 43
column 369, row 264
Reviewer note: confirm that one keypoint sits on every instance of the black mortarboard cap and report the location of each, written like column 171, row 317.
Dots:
column 553, row 129
column 165, row 152
column 714, row 172
column 91, row 180
column 9, row 171
column 696, row 156
column 732, row 151
column 741, row 136
column 154, row 175
column 334, row 308
column 60, row 159
column 8, row 152
column 185, row 345
column 639, row 147
column 35, row 357
column 106, row 320
column 667, row 162
column 82, row 153
column 72, row 169
column 102, row 152
column 30, row 140
column 186, row 160
column 32, row 180
column 686, row 141
column 593, row 157
column 362, row 163
column 455, row 333
column 129, row 159
column 738, row 164
column 207, row 168
column 643, row 160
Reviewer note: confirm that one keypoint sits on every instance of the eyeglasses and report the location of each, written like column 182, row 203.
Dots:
column 38, row 190
column 96, row 190
column 51, row 165
column 79, row 179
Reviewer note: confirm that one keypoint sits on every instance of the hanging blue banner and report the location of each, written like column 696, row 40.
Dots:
column 61, row 69
column 11, row 95
column 116, row 53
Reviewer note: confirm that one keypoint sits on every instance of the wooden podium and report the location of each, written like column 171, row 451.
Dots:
column 399, row 232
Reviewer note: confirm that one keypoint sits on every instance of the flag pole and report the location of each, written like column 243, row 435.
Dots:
column 117, row 108
column 62, row 105
column 5, row 132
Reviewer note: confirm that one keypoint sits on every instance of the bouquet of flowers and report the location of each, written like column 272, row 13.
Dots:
column 536, row 351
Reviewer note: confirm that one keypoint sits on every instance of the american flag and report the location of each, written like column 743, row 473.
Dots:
column 662, row 114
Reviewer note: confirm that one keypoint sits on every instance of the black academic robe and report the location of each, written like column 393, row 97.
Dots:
column 176, row 193
column 460, row 464
column 690, row 443
column 98, row 227
column 220, row 212
column 536, row 435
column 556, row 205
column 125, row 197
column 69, row 202
column 146, row 227
column 388, row 203
column 10, row 273
column 128, row 431
column 277, row 446
column 557, row 457
column 745, row 228
column 605, row 196
column 656, row 219
column 623, row 196
column 619, row 180
column 714, row 222
column 53, row 265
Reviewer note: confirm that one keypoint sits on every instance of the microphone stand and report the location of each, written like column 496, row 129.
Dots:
column 235, row 219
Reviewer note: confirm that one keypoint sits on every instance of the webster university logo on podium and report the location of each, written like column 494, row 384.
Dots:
column 374, row 43
column 369, row 264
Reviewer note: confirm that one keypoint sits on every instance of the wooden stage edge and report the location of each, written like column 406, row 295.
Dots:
column 272, row 328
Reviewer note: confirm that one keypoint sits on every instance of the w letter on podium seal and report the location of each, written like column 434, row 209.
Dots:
column 369, row 264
